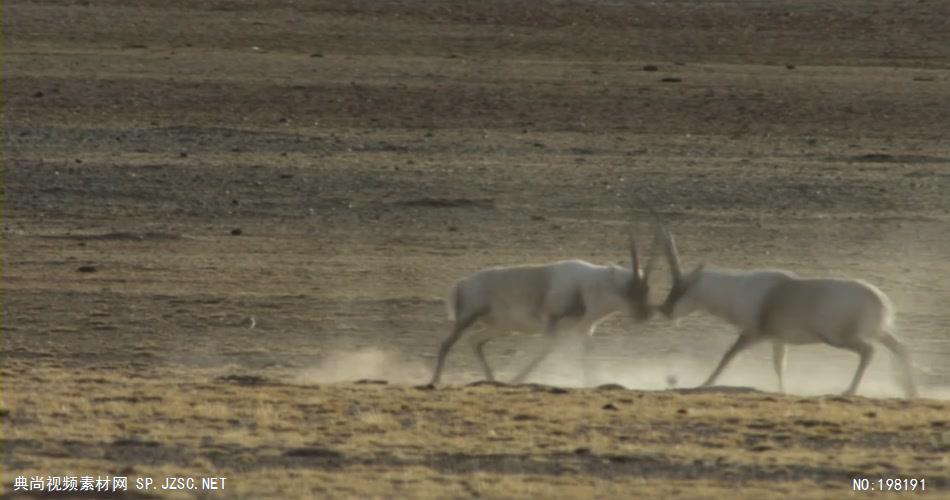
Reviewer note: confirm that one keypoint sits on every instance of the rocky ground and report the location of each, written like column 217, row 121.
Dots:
column 174, row 172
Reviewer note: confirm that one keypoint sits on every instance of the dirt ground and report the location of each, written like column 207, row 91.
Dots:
column 218, row 216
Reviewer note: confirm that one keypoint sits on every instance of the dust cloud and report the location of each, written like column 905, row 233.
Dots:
column 367, row 363
column 810, row 371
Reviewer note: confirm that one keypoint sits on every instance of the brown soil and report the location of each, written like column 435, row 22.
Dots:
column 173, row 169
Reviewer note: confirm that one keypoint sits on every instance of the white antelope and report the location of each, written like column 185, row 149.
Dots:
column 783, row 308
column 567, row 296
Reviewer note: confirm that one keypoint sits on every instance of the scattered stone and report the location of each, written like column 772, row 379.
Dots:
column 87, row 269
column 488, row 383
column 716, row 389
column 38, row 94
column 369, row 381
column 873, row 157
column 449, row 202
column 248, row 380
column 789, row 66
column 135, row 442
column 671, row 79
column 236, row 232
column 544, row 388
column 651, row 67
column 609, row 407
column 582, row 451
column 313, row 452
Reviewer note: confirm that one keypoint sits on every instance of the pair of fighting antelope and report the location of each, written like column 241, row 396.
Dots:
column 574, row 296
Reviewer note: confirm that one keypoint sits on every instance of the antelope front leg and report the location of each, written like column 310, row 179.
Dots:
column 745, row 340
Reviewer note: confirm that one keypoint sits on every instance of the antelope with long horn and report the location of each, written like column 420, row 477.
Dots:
column 565, row 297
column 780, row 307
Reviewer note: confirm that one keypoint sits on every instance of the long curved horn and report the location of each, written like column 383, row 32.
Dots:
column 654, row 254
column 634, row 257
column 672, row 255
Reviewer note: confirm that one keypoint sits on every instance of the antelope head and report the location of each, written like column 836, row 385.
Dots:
column 681, row 300
column 638, row 289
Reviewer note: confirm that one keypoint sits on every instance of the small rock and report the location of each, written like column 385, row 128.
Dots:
column 651, row 67
column 236, row 232
column 38, row 94
column 87, row 269
column 682, row 411
column 609, row 406
column 790, row 66
column 582, row 451
column 671, row 79
column 368, row 381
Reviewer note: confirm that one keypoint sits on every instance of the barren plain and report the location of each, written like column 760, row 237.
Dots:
column 219, row 216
